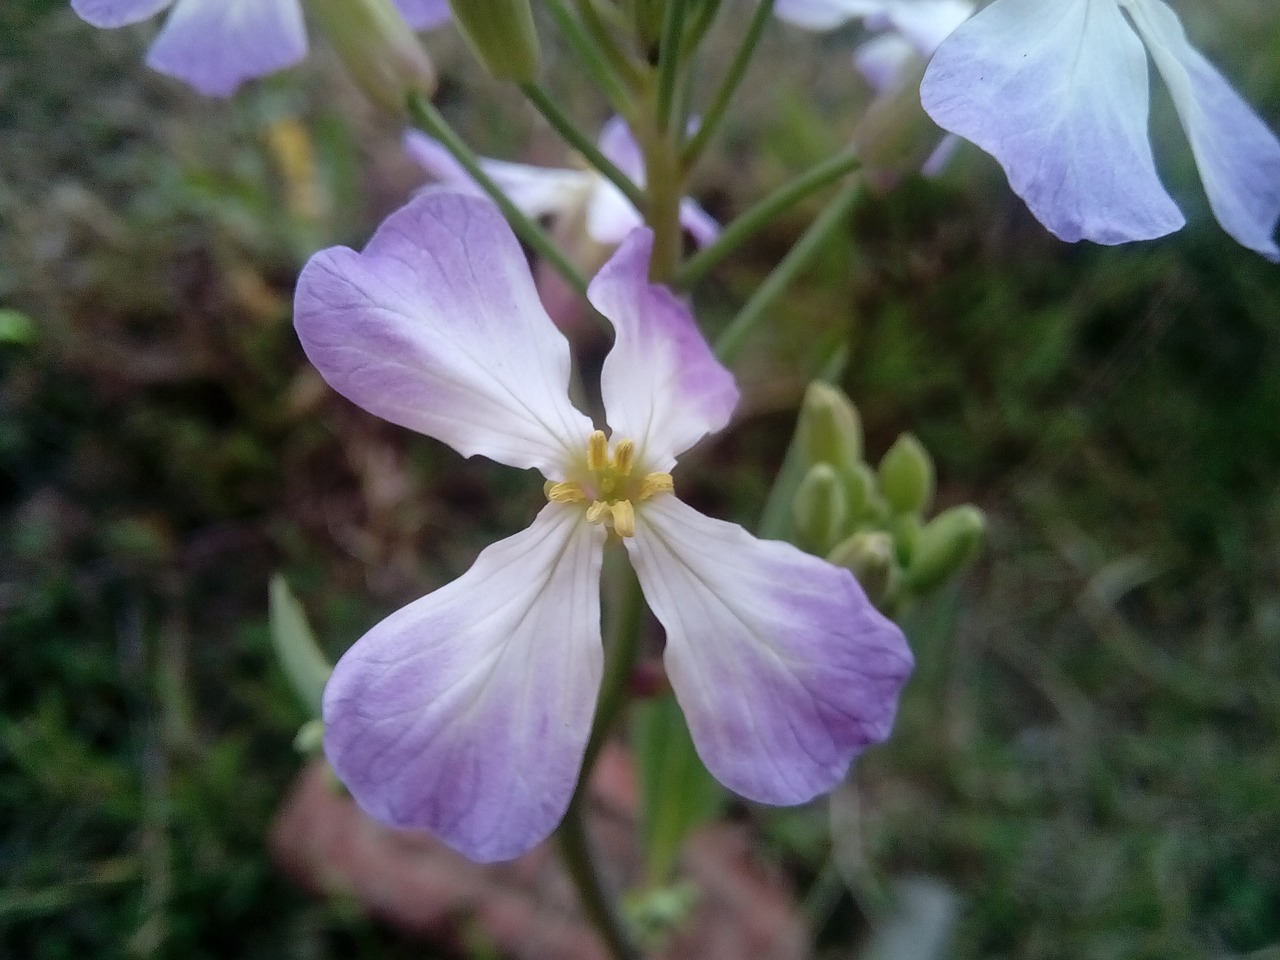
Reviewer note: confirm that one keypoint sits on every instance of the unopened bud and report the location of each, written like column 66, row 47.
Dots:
column 869, row 556
column 829, row 430
column 861, row 495
column 502, row 36
column 944, row 546
column 819, row 509
column 379, row 50
column 906, row 475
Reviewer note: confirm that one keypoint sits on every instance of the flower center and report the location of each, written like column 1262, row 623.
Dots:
column 609, row 484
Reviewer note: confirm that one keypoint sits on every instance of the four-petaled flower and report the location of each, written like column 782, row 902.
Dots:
column 216, row 45
column 607, row 214
column 1057, row 91
column 466, row 713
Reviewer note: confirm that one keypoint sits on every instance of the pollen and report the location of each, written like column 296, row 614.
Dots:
column 609, row 485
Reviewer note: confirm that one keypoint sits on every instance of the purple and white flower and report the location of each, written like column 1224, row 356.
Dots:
column 466, row 713
column 1057, row 91
column 566, row 193
column 216, row 45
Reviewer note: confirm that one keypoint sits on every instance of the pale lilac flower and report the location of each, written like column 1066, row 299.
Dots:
column 566, row 193
column 466, row 713
column 216, row 45
column 1057, row 91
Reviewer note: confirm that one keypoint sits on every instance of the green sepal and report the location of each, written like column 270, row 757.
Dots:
column 820, row 510
column 944, row 546
column 829, row 429
column 870, row 556
column 906, row 476
column 502, row 35
column 378, row 48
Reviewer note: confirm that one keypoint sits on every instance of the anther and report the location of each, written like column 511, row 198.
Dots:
column 624, row 455
column 566, row 491
column 597, row 451
column 597, row 511
column 654, row 484
column 624, row 518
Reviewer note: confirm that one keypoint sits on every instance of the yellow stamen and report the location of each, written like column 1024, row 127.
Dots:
column 624, row 518
column 624, row 456
column 654, row 484
column 597, row 451
column 566, row 491
column 597, row 511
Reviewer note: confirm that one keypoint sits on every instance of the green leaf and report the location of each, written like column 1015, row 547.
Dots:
column 677, row 792
column 295, row 645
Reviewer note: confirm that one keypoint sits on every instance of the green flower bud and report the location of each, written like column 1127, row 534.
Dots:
column 869, row 556
column 906, row 475
column 309, row 740
column 829, row 430
column 944, row 546
column 502, row 36
column 819, row 509
column 379, row 50
column 862, row 497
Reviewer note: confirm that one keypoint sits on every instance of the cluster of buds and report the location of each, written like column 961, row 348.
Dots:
column 872, row 521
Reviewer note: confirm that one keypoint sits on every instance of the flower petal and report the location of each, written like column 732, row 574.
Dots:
column 618, row 144
column 662, row 386
column 424, row 14
column 825, row 14
column 1238, row 157
column 437, row 327
column 1057, row 92
column 885, row 59
column 926, row 23
column 466, row 712
column 784, row 669
column 699, row 224
column 610, row 215
column 117, row 13
column 216, row 45
column 537, row 191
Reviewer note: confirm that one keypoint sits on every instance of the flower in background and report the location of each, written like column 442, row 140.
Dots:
column 907, row 34
column 564, row 193
column 466, row 713
column 216, row 45
column 1057, row 91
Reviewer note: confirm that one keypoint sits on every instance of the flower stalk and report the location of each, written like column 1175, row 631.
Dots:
column 427, row 118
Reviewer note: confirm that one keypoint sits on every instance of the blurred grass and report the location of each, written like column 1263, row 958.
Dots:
column 1087, row 754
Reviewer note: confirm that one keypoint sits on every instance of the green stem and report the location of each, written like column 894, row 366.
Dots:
column 669, row 60
column 607, row 44
column 720, row 102
column 624, row 648
column 575, row 849
column 664, row 183
column 588, row 52
column 697, row 33
column 751, row 222
column 575, row 853
column 428, row 118
column 582, row 143
column 799, row 257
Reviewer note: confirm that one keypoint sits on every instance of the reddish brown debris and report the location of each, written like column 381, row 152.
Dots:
column 527, row 909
